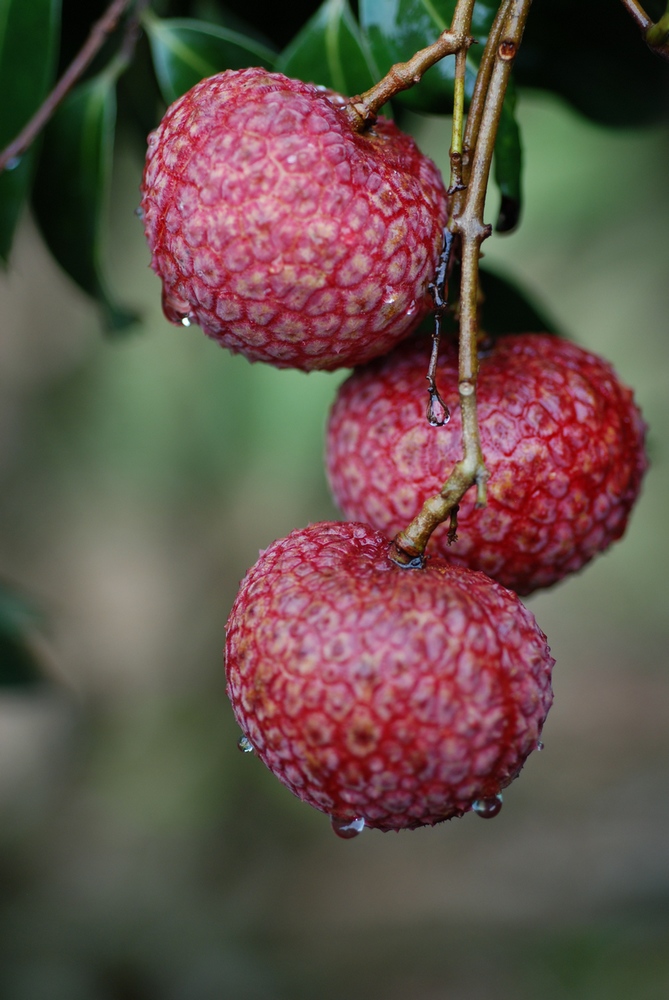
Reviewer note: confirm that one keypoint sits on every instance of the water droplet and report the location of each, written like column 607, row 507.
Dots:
column 437, row 412
column 540, row 745
column 13, row 163
column 139, row 212
column 347, row 828
column 176, row 310
column 487, row 808
column 245, row 745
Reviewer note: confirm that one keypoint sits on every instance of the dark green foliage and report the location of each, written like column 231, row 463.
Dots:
column 331, row 50
column 72, row 188
column 185, row 51
column 591, row 54
column 18, row 667
column 398, row 28
column 28, row 36
column 506, row 307
column 508, row 164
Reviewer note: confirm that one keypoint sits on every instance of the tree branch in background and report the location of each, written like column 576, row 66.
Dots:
column 97, row 37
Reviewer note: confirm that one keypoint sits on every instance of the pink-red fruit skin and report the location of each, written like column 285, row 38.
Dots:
column 395, row 696
column 562, row 438
column 285, row 234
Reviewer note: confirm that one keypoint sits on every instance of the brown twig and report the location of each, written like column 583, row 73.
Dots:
column 363, row 109
column 636, row 11
column 98, row 34
column 467, row 224
column 656, row 36
column 481, row 86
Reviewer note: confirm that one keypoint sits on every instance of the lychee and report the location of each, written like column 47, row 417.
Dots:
column 287, row 235
column 385, row 697
column 562, row 438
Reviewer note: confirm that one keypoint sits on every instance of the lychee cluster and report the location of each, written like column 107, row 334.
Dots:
column 384, row 696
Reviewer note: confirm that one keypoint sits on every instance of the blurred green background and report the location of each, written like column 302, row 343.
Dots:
column 141, row 855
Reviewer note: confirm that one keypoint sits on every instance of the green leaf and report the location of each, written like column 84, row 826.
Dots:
column 140, row 103
column 72, row 187
column 28, row 35
column 185, row 51
column 214, row 12
column 507, row 308
column 508, row 164
column 18, row 667
column 397, row 29
column 331, row 51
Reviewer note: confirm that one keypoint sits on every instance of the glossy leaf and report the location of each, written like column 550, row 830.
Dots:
column 28, row 35
column 140, row 102
column 185, row 51
column 266, row 19
column 508, row 164
column 397, row 29
column 254, row 24
column 18, row 667
column 72, row 188
column 332, row 51
column 507, row 308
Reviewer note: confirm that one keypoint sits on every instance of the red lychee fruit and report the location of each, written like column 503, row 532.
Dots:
column 562, row 439
column 385, row 697
column 285, row 234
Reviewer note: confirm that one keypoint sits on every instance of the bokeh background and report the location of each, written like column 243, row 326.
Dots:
column 142, row 857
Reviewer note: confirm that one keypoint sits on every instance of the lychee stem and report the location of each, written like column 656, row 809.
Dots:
column 478, row 100
column 466, row 223
column 363, row 109
column 656, row 35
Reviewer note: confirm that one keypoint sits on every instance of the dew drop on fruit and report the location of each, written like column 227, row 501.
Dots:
column 487, row 808
column 245, row 745
column 176, row 311
column 13, row 163
column 540, row 745
column 346, row 829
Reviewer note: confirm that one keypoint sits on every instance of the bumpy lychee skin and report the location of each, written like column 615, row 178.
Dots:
column 397, row 697
column 288, row 236
column 562, row 438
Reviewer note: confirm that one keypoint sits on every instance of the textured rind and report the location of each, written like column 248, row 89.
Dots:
column 562, row 438
column 397, row 696
column 286, row 235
